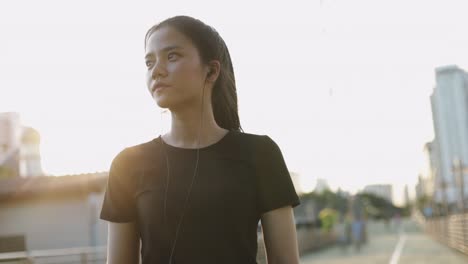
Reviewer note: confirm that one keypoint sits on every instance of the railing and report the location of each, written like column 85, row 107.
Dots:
column 309, row 238
column 450, row 230
column 83, row 255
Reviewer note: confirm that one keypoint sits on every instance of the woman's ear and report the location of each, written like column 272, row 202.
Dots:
column 214, row 68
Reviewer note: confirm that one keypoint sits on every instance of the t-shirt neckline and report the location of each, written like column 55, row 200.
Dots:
column 159, row 138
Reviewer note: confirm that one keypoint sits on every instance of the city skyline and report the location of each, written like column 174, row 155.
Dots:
column 347, row 96
column 449, row 107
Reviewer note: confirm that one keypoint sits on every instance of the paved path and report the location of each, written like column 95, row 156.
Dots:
column 390, row 247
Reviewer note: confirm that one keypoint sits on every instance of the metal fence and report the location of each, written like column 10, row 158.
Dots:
column 450, row 230
column 83, row 255
column 309, row 238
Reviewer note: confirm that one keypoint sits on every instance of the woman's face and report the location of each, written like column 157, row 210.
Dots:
column 175, row 75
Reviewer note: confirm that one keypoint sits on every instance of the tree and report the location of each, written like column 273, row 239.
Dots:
column 379, row 208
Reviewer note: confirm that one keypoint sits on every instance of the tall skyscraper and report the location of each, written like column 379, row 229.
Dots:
column 449, row 102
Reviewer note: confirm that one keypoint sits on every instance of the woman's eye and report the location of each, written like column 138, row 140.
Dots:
column 172, row 56
column 149, row 64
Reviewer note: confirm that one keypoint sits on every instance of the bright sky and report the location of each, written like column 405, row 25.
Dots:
column 342, row 86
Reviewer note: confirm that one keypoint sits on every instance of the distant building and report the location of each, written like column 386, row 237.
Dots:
column 10, row 132
column 49, row 212
column 426, row 178
column 30, row 157
column 19, row 148
column 420, row 187
column 10, row 141
column 381, row 190
column 321, row 186
column 406, row 194
column 449, row 102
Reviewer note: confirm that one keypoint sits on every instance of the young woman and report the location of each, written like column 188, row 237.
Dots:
column 197, row 193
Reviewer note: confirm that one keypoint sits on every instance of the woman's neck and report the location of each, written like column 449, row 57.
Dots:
column 187, row 127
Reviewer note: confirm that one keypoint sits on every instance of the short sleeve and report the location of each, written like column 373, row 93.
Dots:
column 119, row 205
column 275, row 188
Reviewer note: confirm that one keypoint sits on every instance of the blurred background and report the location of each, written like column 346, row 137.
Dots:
column 368, row 101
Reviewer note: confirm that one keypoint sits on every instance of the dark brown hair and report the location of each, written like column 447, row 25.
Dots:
column 210, row 47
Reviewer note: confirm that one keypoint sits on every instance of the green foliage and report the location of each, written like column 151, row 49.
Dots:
column 329, row 199
column 379, row 208
column 364, row 204
column 328, row 217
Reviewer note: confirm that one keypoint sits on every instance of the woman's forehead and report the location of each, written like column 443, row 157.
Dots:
column 167, row 38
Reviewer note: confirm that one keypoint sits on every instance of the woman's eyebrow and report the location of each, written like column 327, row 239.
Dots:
column 165, row 49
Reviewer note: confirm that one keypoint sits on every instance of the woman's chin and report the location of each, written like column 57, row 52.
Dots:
column 161, row 101
column 162, row 104
column 170, row 103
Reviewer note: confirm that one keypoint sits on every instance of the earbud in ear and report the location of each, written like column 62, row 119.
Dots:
column 210, row 72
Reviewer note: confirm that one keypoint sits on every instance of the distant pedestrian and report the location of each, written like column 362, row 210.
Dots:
column 343, row 231
column 357, row 230
column 387, row 223
column 397, row 222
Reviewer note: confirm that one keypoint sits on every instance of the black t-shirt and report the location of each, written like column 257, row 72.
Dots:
column 239, row 178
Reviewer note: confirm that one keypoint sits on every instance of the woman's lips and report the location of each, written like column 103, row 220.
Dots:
column 159, row 87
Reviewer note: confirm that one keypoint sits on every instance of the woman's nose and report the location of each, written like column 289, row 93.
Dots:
column 159, row 70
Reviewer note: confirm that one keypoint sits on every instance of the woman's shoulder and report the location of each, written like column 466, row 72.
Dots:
column 137, row 151
column 255, row 141
column 250, row 136
column 256, row 137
